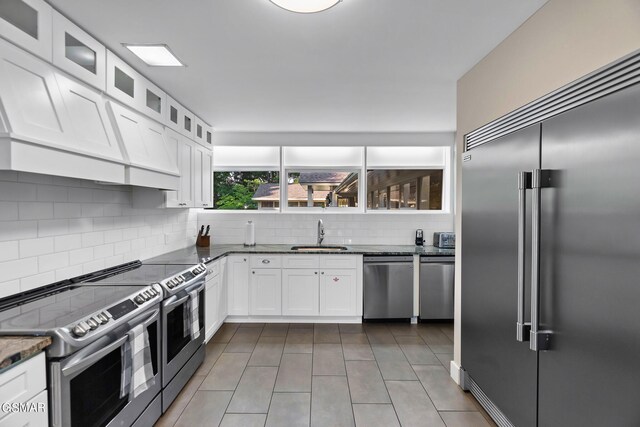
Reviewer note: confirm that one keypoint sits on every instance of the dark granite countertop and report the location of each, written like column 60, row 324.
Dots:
column 16, row 349
column 194, row 255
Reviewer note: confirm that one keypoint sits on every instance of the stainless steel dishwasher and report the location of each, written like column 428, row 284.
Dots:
column 388, row 287
column 436, row 287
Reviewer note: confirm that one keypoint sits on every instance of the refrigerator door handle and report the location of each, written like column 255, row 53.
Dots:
column 524, row 184
column 539, row 340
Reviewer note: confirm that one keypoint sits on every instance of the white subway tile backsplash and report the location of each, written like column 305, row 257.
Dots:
column 18, row 268
column 67, row 210
column 94, row 238
column 8, row 211
column 103, row 251
column 17, row 191
column 16, row 230
column 35, row 210
column 9, row 288
column 53, row 261
column 52, row 193
column 80, row 256
column 53, row 228
column 67, row 242
column 31, row 282
column 9, row 251
column 354, row 229
column 36, row 247
column 67, row 272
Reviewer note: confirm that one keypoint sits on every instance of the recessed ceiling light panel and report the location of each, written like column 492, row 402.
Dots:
column 306, row 6
column 154, row 55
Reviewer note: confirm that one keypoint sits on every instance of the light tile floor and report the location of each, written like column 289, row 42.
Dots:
column 327, row 375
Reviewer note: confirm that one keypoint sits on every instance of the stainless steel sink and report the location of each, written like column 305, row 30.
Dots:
column 318, row 248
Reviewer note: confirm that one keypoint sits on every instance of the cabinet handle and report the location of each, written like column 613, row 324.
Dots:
column 322, row 272
column 315, row 272
column 244, row 260
column 253, row 272
column 265, row 261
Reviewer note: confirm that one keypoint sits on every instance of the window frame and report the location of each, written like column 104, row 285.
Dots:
column 284, row 192
column 448, row 177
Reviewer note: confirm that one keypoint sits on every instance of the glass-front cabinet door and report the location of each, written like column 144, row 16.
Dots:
column 77, row 53
column 27, row 23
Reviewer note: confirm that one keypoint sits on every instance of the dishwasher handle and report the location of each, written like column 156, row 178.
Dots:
column 388, row 259
column 437, row 259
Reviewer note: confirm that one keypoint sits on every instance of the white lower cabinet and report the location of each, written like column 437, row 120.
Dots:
column 338, row 292
column 267, row 285
column 36, row 415
column 300, row 292
column 211, row 318
column 237, row 277
column 25, row 383
column 266, row 290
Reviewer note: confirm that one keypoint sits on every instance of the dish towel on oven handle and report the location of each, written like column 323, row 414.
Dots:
column 137, row 369
column 190, row 319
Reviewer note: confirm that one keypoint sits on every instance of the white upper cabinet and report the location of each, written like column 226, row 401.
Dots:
column 154, row 100
column 77, row 53
column 27, row 23
column 187, row 123
column 146, row 150
column 123, row 82
column 202, row 133
column 183, row 151
column 203, row 178
column 173, row 114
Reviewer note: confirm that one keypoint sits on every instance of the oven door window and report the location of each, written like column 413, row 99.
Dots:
column 95, row 393
column 176, row 340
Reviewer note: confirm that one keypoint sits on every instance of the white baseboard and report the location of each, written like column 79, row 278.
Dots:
column 455, row 372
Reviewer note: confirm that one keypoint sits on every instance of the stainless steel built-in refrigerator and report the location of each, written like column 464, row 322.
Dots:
column 551, row 268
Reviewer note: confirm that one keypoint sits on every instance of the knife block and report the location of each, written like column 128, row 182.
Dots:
column 203, row 241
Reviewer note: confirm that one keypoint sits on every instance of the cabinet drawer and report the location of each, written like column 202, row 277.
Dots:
column 22, row 382
column 37, row 415
column 266, row 261
column 214, row 269
column 301, row 261
column 338, row 261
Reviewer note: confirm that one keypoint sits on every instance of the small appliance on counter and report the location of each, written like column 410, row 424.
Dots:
column 444, row 240
column 419, row 237
column 250, row 234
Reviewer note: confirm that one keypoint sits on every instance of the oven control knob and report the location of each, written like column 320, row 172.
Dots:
column 180, row 279
column 148, row 294
column 93, row 323
column 106, row 314
column 152, row 292
column 79, row 331
column 139, row 299
column 102, row 318
column 170, row 284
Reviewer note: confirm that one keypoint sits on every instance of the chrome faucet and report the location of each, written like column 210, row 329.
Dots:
column 320, row 232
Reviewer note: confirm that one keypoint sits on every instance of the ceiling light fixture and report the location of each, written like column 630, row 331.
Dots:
column 306, row 6
column 154, row 55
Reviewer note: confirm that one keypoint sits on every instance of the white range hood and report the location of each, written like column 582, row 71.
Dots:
column 52, row 124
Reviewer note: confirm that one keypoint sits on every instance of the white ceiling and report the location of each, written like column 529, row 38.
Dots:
column 363, row 65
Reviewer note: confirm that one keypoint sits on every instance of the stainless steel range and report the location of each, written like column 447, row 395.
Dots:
column 182, row 345
column 90, row 325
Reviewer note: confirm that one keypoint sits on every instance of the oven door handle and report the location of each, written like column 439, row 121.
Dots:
column 174, row 300
column 95, row 351
column 87, row 356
